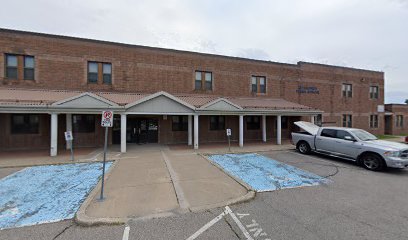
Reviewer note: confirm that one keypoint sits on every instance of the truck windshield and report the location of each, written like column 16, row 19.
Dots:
column 363, row 135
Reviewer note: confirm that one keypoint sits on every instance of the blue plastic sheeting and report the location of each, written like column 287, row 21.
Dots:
column 46, row 193
column 265, row 174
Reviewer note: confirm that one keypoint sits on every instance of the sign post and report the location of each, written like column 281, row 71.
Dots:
column 229, row 138
column 69, row 138
column 107, row 120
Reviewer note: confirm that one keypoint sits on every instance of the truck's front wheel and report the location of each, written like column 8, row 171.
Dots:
column 303, row 147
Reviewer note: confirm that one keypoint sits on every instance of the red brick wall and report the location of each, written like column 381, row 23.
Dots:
column 61, row 63
column 398, row 109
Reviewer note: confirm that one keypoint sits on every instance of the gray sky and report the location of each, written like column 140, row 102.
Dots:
column 367, row 34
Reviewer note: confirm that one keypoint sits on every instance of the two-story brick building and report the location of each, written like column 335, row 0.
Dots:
column 51, row 84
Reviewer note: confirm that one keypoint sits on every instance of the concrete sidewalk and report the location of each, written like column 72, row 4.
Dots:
column 153, row 180
column 41, row 157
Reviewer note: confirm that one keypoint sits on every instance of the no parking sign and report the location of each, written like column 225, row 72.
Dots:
column 107, row 119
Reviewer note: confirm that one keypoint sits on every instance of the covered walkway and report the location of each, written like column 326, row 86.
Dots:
column 182, row 118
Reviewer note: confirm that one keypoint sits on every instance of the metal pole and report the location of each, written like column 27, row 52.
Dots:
column 72, row 151
column 229, row 143
column 104, row 161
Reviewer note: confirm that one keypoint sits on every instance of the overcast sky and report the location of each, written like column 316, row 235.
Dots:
column 366, row 34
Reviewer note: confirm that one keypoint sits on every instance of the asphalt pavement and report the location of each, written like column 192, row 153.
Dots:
column 356, row 204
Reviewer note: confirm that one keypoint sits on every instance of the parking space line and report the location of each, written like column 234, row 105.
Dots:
column 239, row 223
column 208, row 225
column 126, row 233
column 218, row 218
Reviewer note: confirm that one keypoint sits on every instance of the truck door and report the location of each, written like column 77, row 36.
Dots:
column 346, row 147
column 326, row 141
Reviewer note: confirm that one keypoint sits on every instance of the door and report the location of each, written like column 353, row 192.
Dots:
column 142, row 130
column 346, row 147
column 326, row 141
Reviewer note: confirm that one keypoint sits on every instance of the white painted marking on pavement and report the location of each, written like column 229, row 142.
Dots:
column 239, row 223
column 126, row 233
column 234, row 217
column 208, row 225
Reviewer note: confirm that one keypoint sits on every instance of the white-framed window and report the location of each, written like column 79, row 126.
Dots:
column 373, row 92
column 347, row 90
column 374, row 121
column 399, row 121
column 347, row 120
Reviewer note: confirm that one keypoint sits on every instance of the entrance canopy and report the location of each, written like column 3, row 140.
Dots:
column 14, row 100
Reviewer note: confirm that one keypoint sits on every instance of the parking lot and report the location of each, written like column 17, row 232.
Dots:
column 356, row 204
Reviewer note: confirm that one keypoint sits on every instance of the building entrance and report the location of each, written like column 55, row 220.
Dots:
column 141, row 130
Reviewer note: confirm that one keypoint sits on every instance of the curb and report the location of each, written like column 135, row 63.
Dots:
column 245, row 198
column 50, row 164
column 84, row 220
column 246, row 151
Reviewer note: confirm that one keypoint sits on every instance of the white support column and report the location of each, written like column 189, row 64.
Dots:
column 312, row 119
column 264, row 128
column 190, row 130
column 123, row 120
column 279, row 129
column 241, row 130
column 68, row 120
column 196, row 131
column 54, row 135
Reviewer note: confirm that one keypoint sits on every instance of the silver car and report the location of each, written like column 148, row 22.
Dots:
column 351, row 144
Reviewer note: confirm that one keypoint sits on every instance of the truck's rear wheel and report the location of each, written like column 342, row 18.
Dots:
column 303, row 147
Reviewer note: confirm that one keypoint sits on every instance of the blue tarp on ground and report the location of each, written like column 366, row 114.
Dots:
column 265, row 174
column 46, row 193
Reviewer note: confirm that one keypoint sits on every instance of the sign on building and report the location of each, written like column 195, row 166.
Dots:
column 380, row 108
column 107, row 119
column 68, row 136
column 228, row 131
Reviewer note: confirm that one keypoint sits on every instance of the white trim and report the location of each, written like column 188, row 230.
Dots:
column 158, row 94
column 220, row 100
column 92, row 95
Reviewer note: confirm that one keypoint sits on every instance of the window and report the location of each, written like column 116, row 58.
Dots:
column 347, row 90
column 14, row 65
column 11, row 66
column 347, row 121
column 331, row 133
column 92, row 72
column 83, row 123
column 341, row 134
column 179, row 123
column 107, row 73
column 203, row 80
column 24, row 124
column 399, row 121
column 318, row 120
column 217, row 123
column 258, row 84
column 253, row 122
column 374, row 92
column 254, row 85
column 373, row 121
column 28, row 67
column 100, row 72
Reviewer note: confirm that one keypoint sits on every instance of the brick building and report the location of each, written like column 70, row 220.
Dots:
column 50, row 84
column 396, row 116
